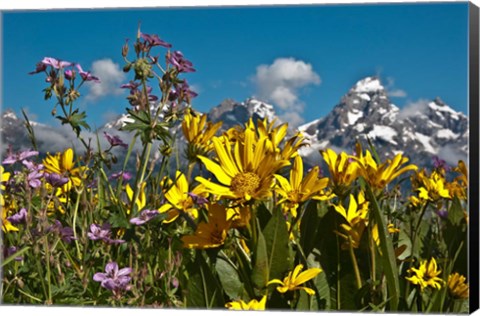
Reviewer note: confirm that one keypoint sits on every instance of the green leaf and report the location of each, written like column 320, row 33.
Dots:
column 309, row 226
column 202, row 288
column 229, row 279
column 16, row 254
column 388, row 254
column 278, row 247
column 260, row 271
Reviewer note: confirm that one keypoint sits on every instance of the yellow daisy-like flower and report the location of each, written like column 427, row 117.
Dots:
column 198, row 133
column 379, row 175
column 6, row 225
column 244, row 169
column 343, row 170
column 253, row 305
column 4, row 177
column 357, row 219
column 181, row 199
column 210, row 234
column 391, row 229
column 63, row 164
column 426, row 275
column 299, row 189
column 141, row 200
column 294, row 279
column 434, row 187
column 457, row 286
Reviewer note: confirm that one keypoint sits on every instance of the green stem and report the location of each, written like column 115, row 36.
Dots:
column 355, row 264
column 75, row 213
column 49, row 281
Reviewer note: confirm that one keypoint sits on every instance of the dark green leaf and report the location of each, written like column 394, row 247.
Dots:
column 229, row 279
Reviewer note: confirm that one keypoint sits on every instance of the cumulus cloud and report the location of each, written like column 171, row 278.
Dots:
column 414, row 108
column 111, row 77
column 281, row 82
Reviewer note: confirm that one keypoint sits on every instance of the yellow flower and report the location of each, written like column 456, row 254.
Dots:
column 459, row 186
column 244, row 169
column 141, row 200
column 210, row 234
column 253, row 305
column 6, row 225
column 63, row 164
column 431, row 188
column 180, row 199
column 298, row 190
column 426, row 275
column 391, row 229
column 457, row 286
column 276, row 135
column 294, row 279
column 198, row 133
column 357, row 220
column 4, row 177
column 240, row 216
column 343, row 171
column 379, row 175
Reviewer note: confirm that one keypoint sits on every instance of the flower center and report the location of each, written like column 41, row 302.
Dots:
column 245, row 183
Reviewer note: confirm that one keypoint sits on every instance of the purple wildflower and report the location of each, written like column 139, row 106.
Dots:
column 55, row 63
column 16, row 157
column 439, row 163
column 154, row 40
column 18, row 218
column 199, row 200
column 114, row 140
column 179, row 62
column 98, row 232
column 86, row 76
column 144, row 217
column 40, row 67
column 66, row 233
column 103, row 233
column 443, row 213
column 114, row 279
column 69, row 74
column 55, row 179
column 132, row 85
column 183, row 92
column 124, row 175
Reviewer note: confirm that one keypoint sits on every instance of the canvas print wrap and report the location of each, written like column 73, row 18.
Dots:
column 173, row 163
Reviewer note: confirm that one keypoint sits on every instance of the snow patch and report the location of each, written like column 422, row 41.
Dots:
column 446, row 133
column 383, row 132
column 359, row 127
column 353, row 117
column 364, row 96
column 425, row 141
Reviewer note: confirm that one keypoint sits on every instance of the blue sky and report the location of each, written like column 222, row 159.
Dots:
column 419, row 51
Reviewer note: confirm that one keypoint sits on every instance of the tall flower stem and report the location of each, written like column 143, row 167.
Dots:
column 358, row 279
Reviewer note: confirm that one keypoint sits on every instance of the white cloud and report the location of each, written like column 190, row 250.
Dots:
column 280, row 83
column 392, row 91
column 397, row 93
column 414, row 108
column 111, row 77
column 451, row 155
column 292, row 118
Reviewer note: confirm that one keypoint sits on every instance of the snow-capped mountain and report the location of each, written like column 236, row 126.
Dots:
column 431, row 128
column 233, row 113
